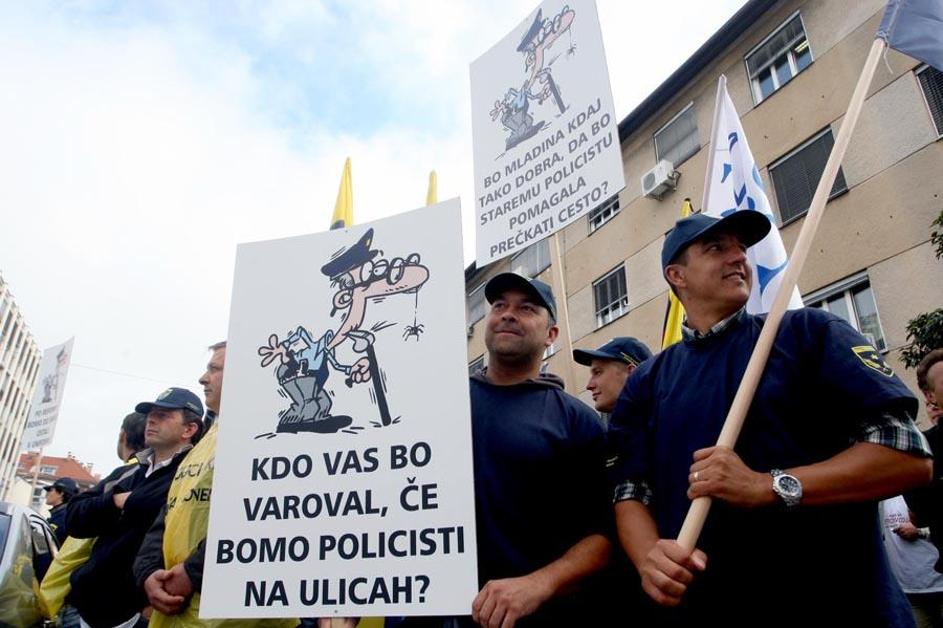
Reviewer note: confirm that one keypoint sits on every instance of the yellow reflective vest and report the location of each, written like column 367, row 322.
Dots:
column 188, row 513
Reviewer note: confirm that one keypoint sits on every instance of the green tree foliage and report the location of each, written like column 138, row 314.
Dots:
column 925, row 333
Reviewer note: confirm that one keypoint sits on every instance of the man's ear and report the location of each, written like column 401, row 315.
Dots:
column 552, row 334
column 190, row 430
column 674, row 274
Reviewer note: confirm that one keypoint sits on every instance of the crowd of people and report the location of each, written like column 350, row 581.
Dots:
column 827, row 512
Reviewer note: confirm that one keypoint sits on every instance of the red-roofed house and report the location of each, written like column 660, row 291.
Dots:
column 51, row 468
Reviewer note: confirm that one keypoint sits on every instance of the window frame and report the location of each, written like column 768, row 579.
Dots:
column 675, row 118
column 477, row 364
column 484, row 311
column 795, row 151
column 846, row 287
column 790, row 56
column 623, row 301
column 526, row 250
column 920, row 70
column 611, row 204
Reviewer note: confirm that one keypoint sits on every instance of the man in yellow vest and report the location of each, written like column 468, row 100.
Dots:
column 169, row 565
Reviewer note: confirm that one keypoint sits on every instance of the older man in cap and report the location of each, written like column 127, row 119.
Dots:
column 610, row 366
column 793, row 536
column 120, row 513
column 541, row 504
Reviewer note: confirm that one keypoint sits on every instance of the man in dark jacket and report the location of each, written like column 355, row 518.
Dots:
column 58, row 495
column 542, row 508
column 120, row 513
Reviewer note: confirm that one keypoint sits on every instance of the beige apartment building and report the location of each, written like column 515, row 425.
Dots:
column 791, row 66
column 19, row 367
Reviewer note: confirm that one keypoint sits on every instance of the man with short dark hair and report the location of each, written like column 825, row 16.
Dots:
column 120, row 513
column 541, row 508
column 930, row 382
column 610, row 366
column 793, row 535
column 58, row 495
column 927, row 502
column 75, row 552
column 131, row 435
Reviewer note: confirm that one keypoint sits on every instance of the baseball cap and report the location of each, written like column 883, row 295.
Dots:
column 623, row 349
column 540, row 292
column 749, row 226
column 173, row 399
column 64, row 485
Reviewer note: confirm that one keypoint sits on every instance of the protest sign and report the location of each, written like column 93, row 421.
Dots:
column 546, row 139
column 44, row 408
column 343, row 475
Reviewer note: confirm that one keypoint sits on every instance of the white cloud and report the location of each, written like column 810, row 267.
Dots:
column 137, row 153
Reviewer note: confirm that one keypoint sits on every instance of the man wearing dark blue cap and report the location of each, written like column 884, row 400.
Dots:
column 58, row 495
column 610, row 366
column 541, row 503
column 793, row 534
column 120, row 513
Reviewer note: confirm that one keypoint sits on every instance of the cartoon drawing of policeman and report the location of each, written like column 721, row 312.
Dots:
column 513, row 110
column 359, row 276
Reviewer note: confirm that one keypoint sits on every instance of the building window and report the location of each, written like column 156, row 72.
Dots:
column 533, row 260
column 931, row 80
column 476, row 305
column 47, row 470
column 476, row 365
column 796, row 176
column 612, row 300
column 678, row 140
column 603, row 213
column 778, row 58
column 853, row 300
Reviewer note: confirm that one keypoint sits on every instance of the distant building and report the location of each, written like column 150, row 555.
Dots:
column 791, row 66
column 19, row 366
column 51, row 469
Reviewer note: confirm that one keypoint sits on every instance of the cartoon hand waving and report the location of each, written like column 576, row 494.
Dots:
column 273, row 350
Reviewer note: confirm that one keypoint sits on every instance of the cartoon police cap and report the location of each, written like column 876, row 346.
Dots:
column 531, row 32
column 352, row 257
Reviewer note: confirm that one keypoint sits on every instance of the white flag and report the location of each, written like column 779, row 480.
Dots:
column 44, row 409
column 733, row 183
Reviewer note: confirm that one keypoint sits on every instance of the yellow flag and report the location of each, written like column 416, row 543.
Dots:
column 432, row 196
column 672, row 332
column 344, row 207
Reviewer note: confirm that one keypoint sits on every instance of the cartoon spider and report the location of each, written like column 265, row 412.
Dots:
column 413, row 330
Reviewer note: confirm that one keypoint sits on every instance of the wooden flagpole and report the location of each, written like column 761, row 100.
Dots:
column 697, row 514
column 562, row 310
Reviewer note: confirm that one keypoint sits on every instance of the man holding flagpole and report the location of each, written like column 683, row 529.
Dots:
column 793, row 536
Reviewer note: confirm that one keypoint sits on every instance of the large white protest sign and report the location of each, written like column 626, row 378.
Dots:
column 544, row 128
column 44, row 409
column 343, row 475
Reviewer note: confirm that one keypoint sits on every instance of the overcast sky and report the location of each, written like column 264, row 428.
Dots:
column 141, row 141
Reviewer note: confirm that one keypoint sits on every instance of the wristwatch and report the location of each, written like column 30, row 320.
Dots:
column 788, row 487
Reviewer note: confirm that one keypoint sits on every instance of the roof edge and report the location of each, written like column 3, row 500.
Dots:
column 728, row 33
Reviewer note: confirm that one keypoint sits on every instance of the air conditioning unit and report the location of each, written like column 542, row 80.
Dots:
column 660, row 179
